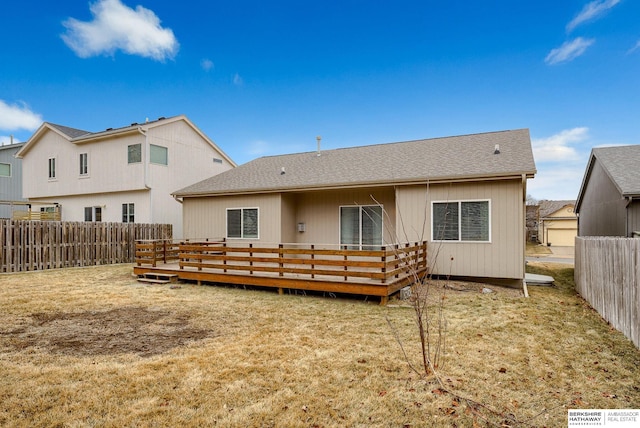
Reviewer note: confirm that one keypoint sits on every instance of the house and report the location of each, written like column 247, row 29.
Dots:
column 557, row 224
column 608, row 203
column 10, row 179
column 120, row 174
column 465, row 195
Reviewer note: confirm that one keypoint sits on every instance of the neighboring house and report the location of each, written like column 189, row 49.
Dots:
column 608, row 203
column 558, row 224
column 10, row 179
column 465, row 195
column 119, row 175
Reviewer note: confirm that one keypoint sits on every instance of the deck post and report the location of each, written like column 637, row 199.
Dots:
column 396, row 247
column 251, row 257
column 384, row 263
column 346, row 277
column 313, row 256
column 280, row 263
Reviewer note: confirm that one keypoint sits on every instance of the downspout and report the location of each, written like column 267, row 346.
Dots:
column 145, row 164
column 525, row 290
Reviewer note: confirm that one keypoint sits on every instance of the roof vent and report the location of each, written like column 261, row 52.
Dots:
column 161, row 118
column 496, row 150
column 282, row 172
column 109, row 129
column 318, row 138
column 134, row 123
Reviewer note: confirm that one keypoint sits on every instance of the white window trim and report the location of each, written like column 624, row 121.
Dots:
column 55, row 168
column 141, row 154
column 163, row 147
column 358, row 206
column 459, row 240
column 86, row 174
column 226, row 222
column 10, row 170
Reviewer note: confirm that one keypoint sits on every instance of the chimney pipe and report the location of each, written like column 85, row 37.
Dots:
column 318, row 138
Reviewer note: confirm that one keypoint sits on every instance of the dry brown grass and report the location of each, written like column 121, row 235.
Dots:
column 93, row 347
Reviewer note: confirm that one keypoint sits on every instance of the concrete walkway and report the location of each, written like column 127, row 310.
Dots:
column 563, row 255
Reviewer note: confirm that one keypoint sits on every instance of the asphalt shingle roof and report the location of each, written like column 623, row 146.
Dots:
column 69, row 132
column 549, row 207
column 622, row 163
column 448, row 158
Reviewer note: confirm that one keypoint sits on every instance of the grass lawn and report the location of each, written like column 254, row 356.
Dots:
column 93, row 347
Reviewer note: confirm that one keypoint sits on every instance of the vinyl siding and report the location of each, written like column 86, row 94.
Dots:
column 72, row 207
column 206, row 217
column 502, row 257
column 320, row 211
column 602, row 210
column 10, row 187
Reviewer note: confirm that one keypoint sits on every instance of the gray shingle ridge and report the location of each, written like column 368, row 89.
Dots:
column 457, row 157
column 622, row 163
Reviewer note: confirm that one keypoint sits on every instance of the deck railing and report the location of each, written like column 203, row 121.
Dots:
column 152, row 251
column 383, row 264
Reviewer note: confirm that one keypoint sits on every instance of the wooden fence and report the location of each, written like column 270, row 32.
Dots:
column 607, row 275
column 39, row 245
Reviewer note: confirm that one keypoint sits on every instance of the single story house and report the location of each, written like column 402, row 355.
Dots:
column 558, row 224
column 465, row 195
column 608, row 203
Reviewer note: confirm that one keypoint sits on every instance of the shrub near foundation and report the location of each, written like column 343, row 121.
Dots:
column 234, row 357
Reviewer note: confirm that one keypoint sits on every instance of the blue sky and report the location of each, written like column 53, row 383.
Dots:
column 263, row 78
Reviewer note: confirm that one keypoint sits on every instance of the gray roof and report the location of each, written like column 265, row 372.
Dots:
column 549, row 207
column 437, row 159
column 69, row 132
column 622, row 163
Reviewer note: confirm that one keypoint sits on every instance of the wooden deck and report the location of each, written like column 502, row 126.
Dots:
column 373, row 272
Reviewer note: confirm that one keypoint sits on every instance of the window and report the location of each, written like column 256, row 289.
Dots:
column 134, row 153
column 5, row 169
column 93, row 214
column 217, row 160
column 361, row 227
column 52, row 168
column 242, row 223
column 127, row 213
column 467, row 221
column 84, row 163
column 158, row 154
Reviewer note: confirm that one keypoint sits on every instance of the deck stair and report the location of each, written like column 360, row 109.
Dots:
column 158, row 278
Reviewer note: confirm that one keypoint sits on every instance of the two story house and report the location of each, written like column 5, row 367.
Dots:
column 122, row 174
column 10, row 179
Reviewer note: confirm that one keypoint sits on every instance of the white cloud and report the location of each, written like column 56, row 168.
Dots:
column 635, row 47
column 6, row 139
column 568, row 51
column 237, row 80
column 207, row 64
column 557, row 147
column 15, row 117
column 591, row 11
column 554, row 183
column 118, row 27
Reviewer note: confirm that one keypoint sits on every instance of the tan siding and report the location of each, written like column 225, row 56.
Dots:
column 206, row 217
column 503, row 257
column 288, row 223
column 320, row 212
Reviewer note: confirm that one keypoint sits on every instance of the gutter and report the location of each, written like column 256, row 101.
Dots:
column 340, row 186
